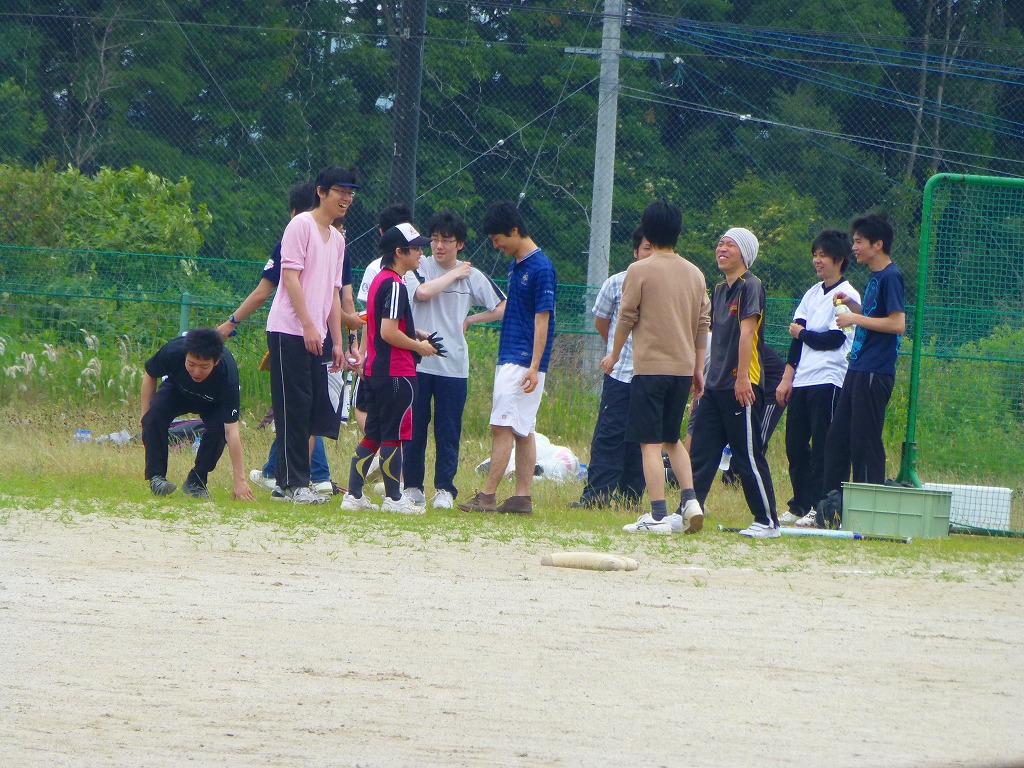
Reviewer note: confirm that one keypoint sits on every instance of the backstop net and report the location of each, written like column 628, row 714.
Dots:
column 965, row 419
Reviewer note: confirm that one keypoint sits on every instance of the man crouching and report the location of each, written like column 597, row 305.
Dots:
column 201, row 377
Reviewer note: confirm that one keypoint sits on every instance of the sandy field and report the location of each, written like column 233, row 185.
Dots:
column 140, row 643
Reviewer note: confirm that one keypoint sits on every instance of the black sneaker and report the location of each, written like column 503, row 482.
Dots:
column 161, row 486
column 195, row 488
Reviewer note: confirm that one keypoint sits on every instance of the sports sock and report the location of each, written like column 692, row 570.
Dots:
column 360, row 465
column 688, row 494
column 659, row 509
column 391, row 469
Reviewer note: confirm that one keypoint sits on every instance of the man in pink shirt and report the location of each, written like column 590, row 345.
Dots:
column 312, row 256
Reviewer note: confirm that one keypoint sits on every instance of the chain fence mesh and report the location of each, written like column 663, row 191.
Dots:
column 748, row 120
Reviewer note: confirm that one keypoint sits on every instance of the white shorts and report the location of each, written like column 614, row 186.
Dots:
column 510, row 406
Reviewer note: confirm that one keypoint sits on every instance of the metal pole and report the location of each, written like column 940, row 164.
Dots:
column 604, row 150
column 186, row 310
column 402, row 185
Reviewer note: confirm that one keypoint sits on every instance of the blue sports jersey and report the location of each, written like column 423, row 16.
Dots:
column 531, row 289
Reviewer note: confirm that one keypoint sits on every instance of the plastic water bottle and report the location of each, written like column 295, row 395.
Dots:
column 195, row 444
column 842, row 309
column 83, row 436
column 726, row 460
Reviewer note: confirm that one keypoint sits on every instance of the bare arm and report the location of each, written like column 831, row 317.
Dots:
column 894, row 323
column 490, row 316
column 241, row 488
column 697, row 385
column 603, row 325
column 541, row 320
column 395, row 336
column 252, row 302
column 428, row 290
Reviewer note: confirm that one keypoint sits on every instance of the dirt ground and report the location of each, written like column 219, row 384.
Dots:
column 135, row 643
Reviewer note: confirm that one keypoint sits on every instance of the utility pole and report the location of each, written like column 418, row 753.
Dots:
column 604, row 147
column 413, row 30
column 604, row 155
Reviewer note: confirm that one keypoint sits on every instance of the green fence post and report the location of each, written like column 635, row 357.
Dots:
column 186, row 309
column 908, row 459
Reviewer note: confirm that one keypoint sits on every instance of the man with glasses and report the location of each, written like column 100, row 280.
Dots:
column 443, row 290
column 312, row 261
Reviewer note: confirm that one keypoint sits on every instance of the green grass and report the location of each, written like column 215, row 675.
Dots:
column 43, row 472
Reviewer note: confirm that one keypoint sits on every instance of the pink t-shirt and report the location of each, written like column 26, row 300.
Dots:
column 319, row 266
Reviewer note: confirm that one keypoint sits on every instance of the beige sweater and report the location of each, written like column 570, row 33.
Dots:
column 666, row 307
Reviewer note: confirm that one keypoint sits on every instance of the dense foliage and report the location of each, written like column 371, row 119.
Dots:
column 783, row 117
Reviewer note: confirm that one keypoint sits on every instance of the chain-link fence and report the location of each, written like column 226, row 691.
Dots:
column 743, row 120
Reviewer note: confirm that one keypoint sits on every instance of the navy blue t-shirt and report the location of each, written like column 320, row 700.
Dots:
column 531, row 289
column 875, row 352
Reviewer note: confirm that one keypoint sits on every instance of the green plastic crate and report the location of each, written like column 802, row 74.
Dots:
column 888, row 510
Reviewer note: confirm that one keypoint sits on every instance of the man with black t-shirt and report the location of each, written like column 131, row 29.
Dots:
column 201, row 377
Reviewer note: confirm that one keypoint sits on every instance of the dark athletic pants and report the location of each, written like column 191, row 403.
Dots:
column 296, row 377
column 855, row 437
column 448, row 394
column 616, row 466
column 720, row 421
column 807, row 424
column 167, row 404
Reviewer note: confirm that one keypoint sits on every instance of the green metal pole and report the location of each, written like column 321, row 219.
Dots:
column 186, row 309
column 908, row 460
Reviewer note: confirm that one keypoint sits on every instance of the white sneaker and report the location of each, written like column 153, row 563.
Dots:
column 761, row 531
column 416, row 496
column 647, row 523
column 326, row 488
column 256, row 477
column 404, row 506
column 788, row 518
column 304, row 495
column 807, row 521
column 443, row 500
column 351, row 503
column 692, row 517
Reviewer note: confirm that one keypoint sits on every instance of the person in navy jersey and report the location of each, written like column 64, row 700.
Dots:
column 854, row 441
column 393, row 347
column 199, row 376
column 524, row 351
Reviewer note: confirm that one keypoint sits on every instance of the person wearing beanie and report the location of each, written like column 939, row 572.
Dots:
column 731, row 409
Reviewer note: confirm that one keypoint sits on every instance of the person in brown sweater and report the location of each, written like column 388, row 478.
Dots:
column 665, row 306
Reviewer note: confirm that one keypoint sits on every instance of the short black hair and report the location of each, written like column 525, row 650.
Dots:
column 302, row 197
column 390, row 215
column 204, row 343
column 448, row 224
column 875, row 226
column 638, row 237
column 661, row 223
column 836, row 245
column 333, row 176
column 502, row 217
